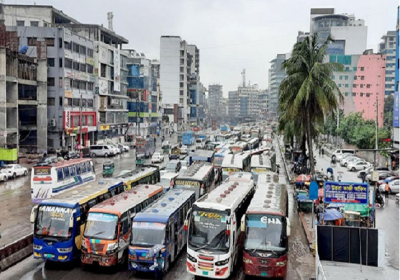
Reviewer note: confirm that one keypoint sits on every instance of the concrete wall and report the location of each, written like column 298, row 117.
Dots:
column 355, row 37
column 12, row 14
column 169, row 69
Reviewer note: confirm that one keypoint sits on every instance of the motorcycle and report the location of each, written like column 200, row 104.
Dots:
column 379, row 200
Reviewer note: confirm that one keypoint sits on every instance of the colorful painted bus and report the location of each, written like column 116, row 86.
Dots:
column 199, row 177
column 49, row 180
column 235, row 163
column 143, row 175
column 159, row 230
column 108, row 227
column 188, row 138
column 59, row 222
column 239, row 147
column 266, row 228
column 145, row 146
column 214, row 241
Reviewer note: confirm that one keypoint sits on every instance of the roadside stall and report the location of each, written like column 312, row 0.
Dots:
column 331, row 217
column 304, row 204
column 357, row 215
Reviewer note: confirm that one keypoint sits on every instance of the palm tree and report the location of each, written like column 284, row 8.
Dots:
column 308, row 94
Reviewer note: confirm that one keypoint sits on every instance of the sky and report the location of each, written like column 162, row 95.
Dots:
column 232, row 35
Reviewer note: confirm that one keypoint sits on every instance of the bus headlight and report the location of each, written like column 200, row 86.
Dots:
column 280, row 263
column 191, row 258
column 37, row 247
column 111, row 248
column 246, row 260
column 220, row 263
column 64, row 250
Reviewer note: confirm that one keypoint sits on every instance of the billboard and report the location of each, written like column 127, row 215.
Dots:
column 117, row 70
column 342, row 192
column 396, row 110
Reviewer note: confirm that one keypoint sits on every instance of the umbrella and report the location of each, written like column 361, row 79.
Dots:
column 331, row 215
column 303, row 178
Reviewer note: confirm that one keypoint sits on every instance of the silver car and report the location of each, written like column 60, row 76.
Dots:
column 101, row 151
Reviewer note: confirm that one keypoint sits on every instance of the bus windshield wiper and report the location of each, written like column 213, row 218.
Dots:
column 93, row 235
column 209, row 243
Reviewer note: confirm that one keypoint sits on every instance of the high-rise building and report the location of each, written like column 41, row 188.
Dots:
column 349, row 33
column 388, row 48
column 396, row 104
column 215, row 96
column 244, row 102
column 196, row 88
column 275, row 76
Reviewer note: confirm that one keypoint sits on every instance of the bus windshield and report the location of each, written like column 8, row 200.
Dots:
column 53, row 221
column 147, row 234
column 208, row 231
column 218, row 161
column 101, row 226
column 264, row 233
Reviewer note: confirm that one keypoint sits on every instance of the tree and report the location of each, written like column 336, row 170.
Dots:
column 307, row 93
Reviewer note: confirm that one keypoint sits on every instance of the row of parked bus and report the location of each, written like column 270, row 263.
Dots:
column 121, row 220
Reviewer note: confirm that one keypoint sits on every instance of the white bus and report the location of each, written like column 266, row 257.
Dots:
column 48, row 180
column 235, row 163
column 213, row 226
column 263, row 163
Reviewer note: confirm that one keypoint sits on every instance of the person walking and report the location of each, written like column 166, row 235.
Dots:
column 320, row 151
column 159, row 267
column 363, row 176
column 387, row 189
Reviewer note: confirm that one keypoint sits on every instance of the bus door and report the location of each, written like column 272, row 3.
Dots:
column 172, row 238
column 124, row 234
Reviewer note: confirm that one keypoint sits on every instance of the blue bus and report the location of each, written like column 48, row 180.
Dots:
column 188, row 138
column 159, row 230
column 59, row 222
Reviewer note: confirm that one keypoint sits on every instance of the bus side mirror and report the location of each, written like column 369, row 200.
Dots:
column 185, row 225
column 243, row 224
column 287, row 227
column 71, row 219
column 34, row 213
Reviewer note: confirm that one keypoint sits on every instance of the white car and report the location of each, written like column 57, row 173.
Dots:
column 348, row 160
column 394, row 186
column 367, row 171
column 184, row 150
column 125, row 148
column 358, row 165
column 157, row 157
column 14, row 170
column 115, row 149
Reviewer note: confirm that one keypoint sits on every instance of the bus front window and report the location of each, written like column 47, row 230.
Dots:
column 208, row 231
column 53, row 221
column 148, row 234
column 101, row 226
column 218, row 161
column 265, row 233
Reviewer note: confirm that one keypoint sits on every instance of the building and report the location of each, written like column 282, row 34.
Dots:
column 215, row 98
column 275, row 76
column 23, row 96
column 349, row 33
column 388, row 48
column 263, row 103
column 362, row 83
column 396, row 104
column 301, row 35
column 244, row 102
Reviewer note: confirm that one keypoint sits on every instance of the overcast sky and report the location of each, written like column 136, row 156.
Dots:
column 231, row 34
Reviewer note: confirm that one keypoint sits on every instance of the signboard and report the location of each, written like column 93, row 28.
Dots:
column 117, row 70
column 67, row 35
column 67, row 119
column 104, row 127
column 396, row 110
column 342, row 192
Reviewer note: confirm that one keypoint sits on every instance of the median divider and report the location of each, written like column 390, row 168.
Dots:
column 14, row 252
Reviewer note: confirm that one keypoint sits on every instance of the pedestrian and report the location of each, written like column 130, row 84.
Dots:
column 393, row 165
column 159, row 267
column 387, row 189
column 320, row 151
column 363, row 176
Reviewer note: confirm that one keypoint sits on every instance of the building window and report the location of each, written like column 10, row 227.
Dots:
column 340, row 85
column 83, row 102
column 333, row 77
column 354, row 94
column 51, row 101
column 20, row 23
column 67, row 45
column 60, row 62
column 82, row 50
column 346, row 77
column 50, row 62
column 103, row 71
column 362, row 77
column 51, row 82
column 82, row 67
column 75, row 102
column 34, row 23
column 60, row 100
column 32, row 41
column 89, row 68
column 75, row 47
column 90, row 103
column 361, row 86
column 89, row 52
column 362, row 69
column 76, row 66
column 346, row 85
column 367, row 94
column 90, row 86
column 82, row 85
column 60, row 82
column 355, row 78
column 340, row 77
column 354, row 85
column 50, row 42
column 354, row 68
column 68, row 63
column 368, row 85
column 67, row 101
column 361, row 94
column 346, row 94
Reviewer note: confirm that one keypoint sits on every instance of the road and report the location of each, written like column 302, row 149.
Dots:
column 301, row 262
column 387, row 218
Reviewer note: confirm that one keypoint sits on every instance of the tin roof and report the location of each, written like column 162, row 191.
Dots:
column 162, row 209
column 128, row 199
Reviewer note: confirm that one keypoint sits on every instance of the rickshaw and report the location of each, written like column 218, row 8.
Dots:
column 108, row 168
column 140, row 159
column 175, row 152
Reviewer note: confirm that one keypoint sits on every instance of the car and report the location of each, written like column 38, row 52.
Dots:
column 184, row 149
column 348, row 160
column 382, row 183
column 383, row 174
column 157, row 157
column 115, row 149
column 165, row 143
column 14, row 170
column 339, row 153
column 3, row 177
column 394, row 186
column 185, row 162
column 173, row 166
column 199, row 143
column 367, row 171
column 71, row 155
column 358, row 165
column 125, row 148
column 101, row 151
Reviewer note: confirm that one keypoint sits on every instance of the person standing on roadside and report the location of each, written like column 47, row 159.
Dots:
column 387, row 189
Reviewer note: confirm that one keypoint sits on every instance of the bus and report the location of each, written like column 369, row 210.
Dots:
column 59, row 221
column 202, row 155
column 266, row 228
column 235, row 163
column 222, row 137
column 224, row 129
column 239, row 147
column 145, row 146
column 213, row 224
column 159, row 230
column 253, row 143
column 199, row 177
column 143, row 175
column 219, row 158
column 188, row 138
column 263, row 163
column 48, row 180
column 167, row 180
column 255, row 132
column 108, row 226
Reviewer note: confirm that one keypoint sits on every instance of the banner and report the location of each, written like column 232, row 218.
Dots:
column 396, row 110
column 342, row 192
column 117, row 70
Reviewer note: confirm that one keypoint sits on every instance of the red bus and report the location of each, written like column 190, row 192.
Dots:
column 266, row 227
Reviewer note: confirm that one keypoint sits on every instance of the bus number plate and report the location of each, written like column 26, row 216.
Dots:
column 205, row 272
column 264, row 274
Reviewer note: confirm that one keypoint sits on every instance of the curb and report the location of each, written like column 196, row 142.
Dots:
column 305, row 228
column 15, row 252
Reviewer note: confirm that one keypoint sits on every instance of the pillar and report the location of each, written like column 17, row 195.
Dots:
column 42, row 105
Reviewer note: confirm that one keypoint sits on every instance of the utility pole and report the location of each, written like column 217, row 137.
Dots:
column 376, row 133
column 137, row 117
column 81, row 142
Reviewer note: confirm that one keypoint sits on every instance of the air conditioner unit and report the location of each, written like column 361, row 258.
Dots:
column 52, row 122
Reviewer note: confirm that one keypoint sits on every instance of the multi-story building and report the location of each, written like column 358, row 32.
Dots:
column 388, row 48
column 215, row 96
column 263, row 103
column 396, row 104
column 349, row 33
column 362, row 83
column 233, row 104
column 23, row 96
column 275, row 76
column 244, row 102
